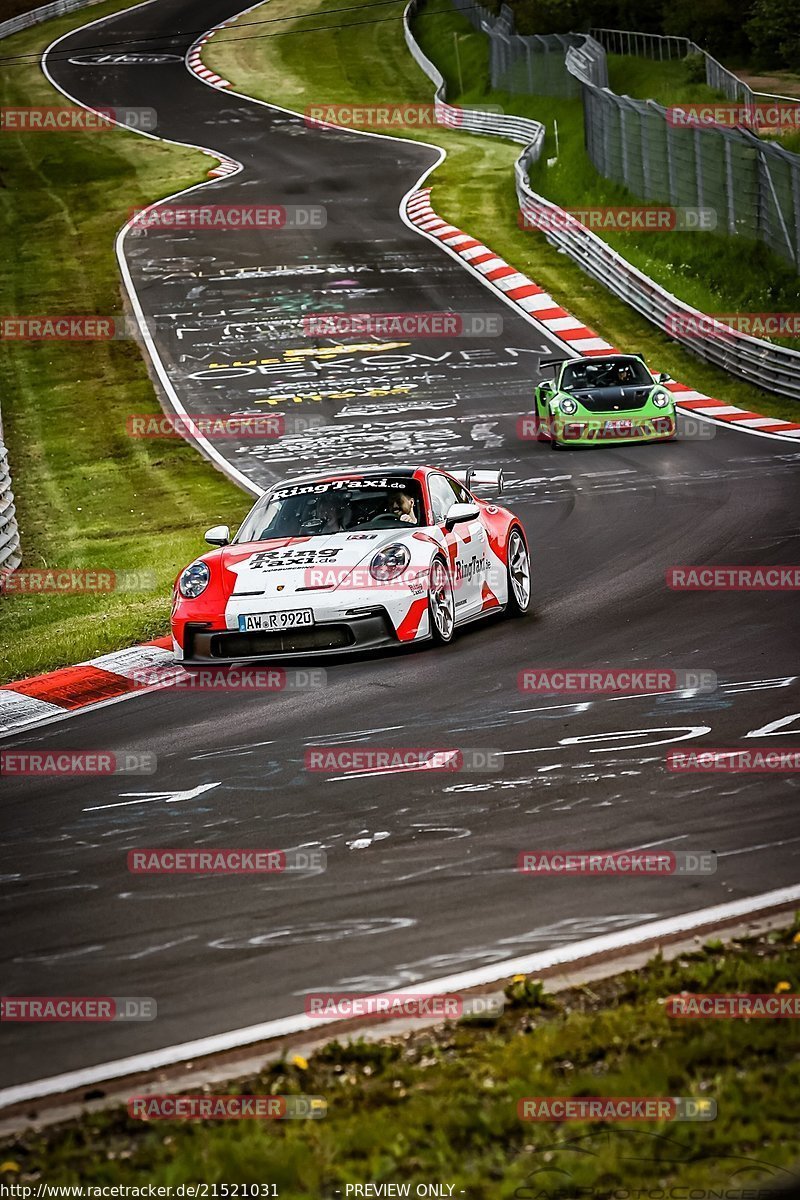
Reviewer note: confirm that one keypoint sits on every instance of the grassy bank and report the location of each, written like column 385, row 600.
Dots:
column 474, row 187
column 88, row 496
column 441, row 1105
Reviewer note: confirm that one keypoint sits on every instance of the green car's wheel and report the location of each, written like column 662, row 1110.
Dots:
column 519, row 575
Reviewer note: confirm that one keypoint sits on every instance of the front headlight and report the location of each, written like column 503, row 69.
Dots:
column 661, row 399
column 389, row 562
column 194, row 580
column 568, row 406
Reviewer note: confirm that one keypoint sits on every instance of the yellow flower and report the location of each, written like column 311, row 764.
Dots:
column 300, row 1062
column 796, row 939
column 518, row 979
column 9, row 1166
column 783, row 986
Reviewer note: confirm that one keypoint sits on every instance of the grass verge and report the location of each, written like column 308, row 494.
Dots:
column 441, row 1105
column 88, row 496
column 474, row 187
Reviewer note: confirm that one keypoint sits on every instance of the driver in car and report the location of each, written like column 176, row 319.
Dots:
column 403, row 507
column 330, row 514
column 625, row 374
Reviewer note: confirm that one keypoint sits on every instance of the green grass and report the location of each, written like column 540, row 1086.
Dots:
column 668, row 82
column 87, row 494
column 474, row 187
column 441, row 1105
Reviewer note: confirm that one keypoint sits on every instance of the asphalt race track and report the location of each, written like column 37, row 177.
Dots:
column 421, row 877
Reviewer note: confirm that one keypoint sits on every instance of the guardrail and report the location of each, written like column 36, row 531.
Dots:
column 10, row 557
column 58, row 8
column 776, row 368
column 516, row 129
column 661, row 46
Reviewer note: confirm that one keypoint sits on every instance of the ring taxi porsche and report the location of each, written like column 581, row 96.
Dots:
column 331, row 563
column 608, row 398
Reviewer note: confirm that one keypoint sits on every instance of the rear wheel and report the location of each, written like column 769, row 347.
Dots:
column 519, row 575
column 441, row 603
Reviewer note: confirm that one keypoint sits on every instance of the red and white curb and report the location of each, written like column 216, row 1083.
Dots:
column 31, row 701
column 577, row 337
column 195, row 64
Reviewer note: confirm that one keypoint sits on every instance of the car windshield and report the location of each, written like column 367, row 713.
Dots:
column 605, row 372
column 334, row 506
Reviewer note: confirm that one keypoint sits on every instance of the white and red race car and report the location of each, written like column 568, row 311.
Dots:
column 329, row 563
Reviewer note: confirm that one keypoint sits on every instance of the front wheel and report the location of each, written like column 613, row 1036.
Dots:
column 441, row 603
column 519, row 575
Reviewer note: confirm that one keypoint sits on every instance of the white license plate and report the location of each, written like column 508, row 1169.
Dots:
column 619, row 426
column 290, row 619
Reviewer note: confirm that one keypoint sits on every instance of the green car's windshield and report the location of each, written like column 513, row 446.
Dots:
column 605, row 372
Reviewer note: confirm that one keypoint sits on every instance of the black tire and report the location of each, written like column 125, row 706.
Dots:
column 518, row 570
column 441, row 599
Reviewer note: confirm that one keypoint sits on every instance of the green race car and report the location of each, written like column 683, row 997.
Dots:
column 608, row 398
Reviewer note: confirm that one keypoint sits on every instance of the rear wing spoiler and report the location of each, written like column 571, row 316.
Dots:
column 475, row 479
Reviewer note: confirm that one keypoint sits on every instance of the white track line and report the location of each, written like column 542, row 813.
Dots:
column 529, row 964
column 202, row 443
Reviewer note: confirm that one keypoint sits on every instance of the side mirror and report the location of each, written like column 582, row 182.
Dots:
column 218, row 535
column 457, row 513
column 546, row 388
column 662, row 377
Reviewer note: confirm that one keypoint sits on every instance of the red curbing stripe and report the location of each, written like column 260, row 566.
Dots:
column 72, row 687
column 552, row 314
column 164, row 642
column 575, row 335
column 524, row 289
column 479, row 258
column 501, row 272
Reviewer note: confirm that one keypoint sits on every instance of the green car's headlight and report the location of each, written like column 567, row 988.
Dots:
column 661, row 399
column 194, row 580
column 568, row 406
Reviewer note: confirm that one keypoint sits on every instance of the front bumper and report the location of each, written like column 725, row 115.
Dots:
column 371, row 630
column 609, row 428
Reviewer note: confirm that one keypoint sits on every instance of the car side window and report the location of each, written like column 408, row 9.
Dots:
column 462, row 496
column 442, row 497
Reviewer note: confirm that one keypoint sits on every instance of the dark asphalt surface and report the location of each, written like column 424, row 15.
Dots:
column 421, row 874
